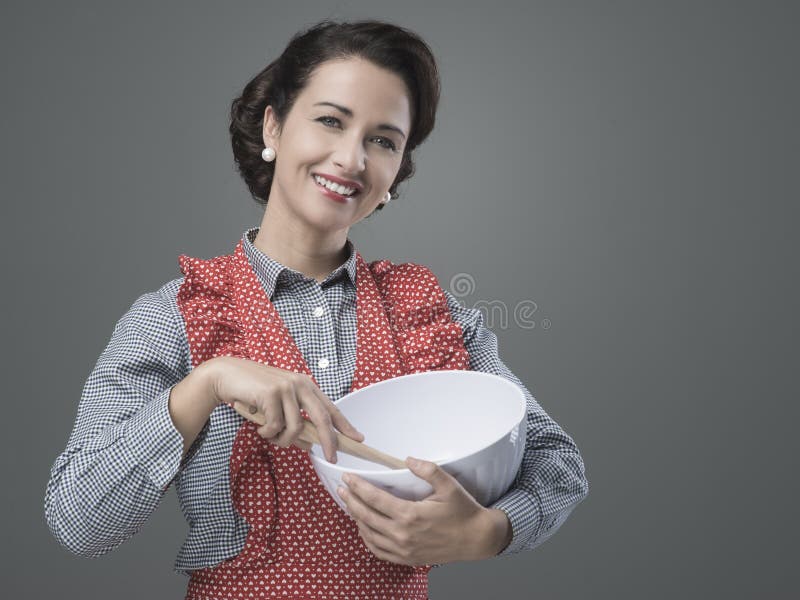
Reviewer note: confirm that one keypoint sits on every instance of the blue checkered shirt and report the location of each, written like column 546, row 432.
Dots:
column 124, row 451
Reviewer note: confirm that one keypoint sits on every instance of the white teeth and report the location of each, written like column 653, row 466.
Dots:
column 339, row 189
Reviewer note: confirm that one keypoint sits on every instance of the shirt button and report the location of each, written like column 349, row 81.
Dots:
column 319, row 311
column 323, row 363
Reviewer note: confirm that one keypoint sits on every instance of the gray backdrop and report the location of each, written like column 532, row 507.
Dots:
column 629, row 167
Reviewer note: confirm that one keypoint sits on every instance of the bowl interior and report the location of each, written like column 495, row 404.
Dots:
column 435, row 415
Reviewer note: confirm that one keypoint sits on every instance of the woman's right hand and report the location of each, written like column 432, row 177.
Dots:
column 279, row 395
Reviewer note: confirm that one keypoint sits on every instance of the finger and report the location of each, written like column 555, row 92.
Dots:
column 322, row 421
column 273, row 411
column 362, row 511
column 338, row 419
column 377, row 540
column 439, row 479
column 292, row 419
column 243, row 407
column 381, row 551
column 381, row 501
column 302, row 444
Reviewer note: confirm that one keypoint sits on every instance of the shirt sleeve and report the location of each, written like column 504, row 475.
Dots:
column 124, row 449
column 551, row 480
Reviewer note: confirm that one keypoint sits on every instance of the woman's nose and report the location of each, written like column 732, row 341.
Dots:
column 350, row 156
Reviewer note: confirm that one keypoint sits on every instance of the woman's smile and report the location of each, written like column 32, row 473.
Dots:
column 336, row 189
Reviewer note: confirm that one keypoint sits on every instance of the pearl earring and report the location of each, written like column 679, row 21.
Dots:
column 387, row 198
column 268, row 154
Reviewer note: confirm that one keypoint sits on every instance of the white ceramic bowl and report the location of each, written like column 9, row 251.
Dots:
column 470, row 423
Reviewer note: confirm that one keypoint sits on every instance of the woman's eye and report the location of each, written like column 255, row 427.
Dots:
column 327, row 119
column 330, row 121
column 387, row 143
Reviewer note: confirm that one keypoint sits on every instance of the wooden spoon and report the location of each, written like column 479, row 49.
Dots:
column 346, row 444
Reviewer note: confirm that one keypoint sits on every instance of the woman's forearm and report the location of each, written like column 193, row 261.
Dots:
column 191, row 402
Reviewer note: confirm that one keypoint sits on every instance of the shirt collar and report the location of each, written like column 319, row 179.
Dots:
column 272, row 274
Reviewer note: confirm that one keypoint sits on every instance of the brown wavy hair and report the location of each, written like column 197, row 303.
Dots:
column 389, row 46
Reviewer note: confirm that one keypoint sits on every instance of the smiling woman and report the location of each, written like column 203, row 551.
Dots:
column 394, row 49
column 352, row 158
column 291, row 320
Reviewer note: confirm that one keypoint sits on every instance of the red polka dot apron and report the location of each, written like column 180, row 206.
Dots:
column 300, row 544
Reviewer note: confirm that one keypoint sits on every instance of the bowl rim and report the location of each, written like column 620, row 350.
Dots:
column 336, row 467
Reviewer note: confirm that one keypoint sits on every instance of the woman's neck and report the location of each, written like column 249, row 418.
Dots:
column 312, row 254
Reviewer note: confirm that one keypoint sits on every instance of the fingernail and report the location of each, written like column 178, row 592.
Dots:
column 346, row 478
column 341, row 491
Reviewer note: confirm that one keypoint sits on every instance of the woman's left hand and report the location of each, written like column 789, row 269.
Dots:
column 447, row 526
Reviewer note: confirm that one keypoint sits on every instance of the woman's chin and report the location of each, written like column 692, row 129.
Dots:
column 328, row 221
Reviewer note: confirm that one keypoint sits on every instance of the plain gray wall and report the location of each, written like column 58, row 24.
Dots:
column 630, row 167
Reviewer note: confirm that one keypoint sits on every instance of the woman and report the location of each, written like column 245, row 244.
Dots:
column 322, row 137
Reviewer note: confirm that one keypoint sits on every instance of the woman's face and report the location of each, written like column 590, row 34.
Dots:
column 350, row 122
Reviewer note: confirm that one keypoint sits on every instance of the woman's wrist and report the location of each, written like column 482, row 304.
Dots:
column 191, row 402
column 207, row 381
column 498, row 532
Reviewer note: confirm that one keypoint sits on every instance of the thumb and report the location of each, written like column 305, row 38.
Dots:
column 429, row 471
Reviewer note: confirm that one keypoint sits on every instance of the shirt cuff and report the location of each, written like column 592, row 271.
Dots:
column 154, row 441
column 525, row 513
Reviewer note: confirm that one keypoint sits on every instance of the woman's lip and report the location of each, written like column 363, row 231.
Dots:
column 333, row 195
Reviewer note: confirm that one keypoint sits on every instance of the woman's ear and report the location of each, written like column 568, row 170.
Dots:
column 271, row 130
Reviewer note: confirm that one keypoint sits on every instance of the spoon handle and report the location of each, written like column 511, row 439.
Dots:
column 346, row 444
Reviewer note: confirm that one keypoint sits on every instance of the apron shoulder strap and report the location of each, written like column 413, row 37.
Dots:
column 427, row 338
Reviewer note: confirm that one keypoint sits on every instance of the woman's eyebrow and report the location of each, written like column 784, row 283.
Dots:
column 349, row 113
